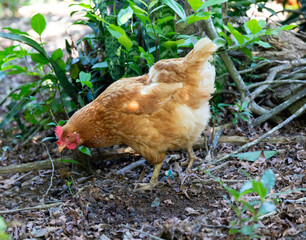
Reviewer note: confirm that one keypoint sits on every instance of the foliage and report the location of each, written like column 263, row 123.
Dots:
column 249, row 212
column 127, row 38
column 3, row 235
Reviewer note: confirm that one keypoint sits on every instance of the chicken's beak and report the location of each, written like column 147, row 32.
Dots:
column 60, row 148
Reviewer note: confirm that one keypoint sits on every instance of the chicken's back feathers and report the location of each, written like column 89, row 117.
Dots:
column 164, row 110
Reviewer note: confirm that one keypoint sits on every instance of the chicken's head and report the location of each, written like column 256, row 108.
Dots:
column 67, row 138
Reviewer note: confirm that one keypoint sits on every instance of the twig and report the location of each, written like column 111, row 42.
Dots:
column 43, row 206
column 267, row 215
column 259, row 65
column 301, row 200
column 248, row 145
column 300, row 70
column 276, row 82
column 279, row 108
column 131, row 167
column 272, row 74
column 52, row 173
column 45, row 164
column 148, row 234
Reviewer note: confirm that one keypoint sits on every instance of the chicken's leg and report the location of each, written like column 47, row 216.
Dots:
column 191, row 158
column 154, row 179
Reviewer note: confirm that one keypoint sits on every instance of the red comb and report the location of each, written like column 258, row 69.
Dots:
column 59, row 131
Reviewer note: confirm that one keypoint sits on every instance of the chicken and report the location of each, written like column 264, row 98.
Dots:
column 166, row 109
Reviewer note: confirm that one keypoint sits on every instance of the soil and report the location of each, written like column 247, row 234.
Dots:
column 185, row 205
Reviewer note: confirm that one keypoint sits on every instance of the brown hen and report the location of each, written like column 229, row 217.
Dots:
column 167, row 109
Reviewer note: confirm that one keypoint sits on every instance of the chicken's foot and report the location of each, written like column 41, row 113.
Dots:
column 154, row 179
column 191, row 158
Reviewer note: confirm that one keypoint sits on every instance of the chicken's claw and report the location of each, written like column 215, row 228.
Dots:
column 191, row 158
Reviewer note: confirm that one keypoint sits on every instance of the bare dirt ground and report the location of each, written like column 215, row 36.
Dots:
column 104, row 205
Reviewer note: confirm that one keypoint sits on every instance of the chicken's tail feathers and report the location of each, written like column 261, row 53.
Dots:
column 201, row 52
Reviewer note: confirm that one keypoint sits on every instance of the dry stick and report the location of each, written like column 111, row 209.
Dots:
column 272, row 74
column 237, row 140
column 279, row 108
column 259, row 65
column 52, row 173
column 276, row 82
column 105, row 155
column 131, row 167
column 212, row 33
column 248, row 145
column 148, row 234
column 33, row 208
column 300, row 70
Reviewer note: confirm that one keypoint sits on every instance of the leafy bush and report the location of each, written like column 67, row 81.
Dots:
column 249, row 212
column 126, row 39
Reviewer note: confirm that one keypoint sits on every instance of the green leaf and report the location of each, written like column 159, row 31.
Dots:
column 233, row 231
column 2, row 224
column 220, row 42
column 268, row 179
column 47, row 139
column 269, row 154
column 38, row 23
column 177, row 8
column 125, row 41
column 248, row 206
column 60, row 74
column 13, row 112
column 100, row 65
column 244, row 105
column 38, row 58
column 140, row 13
column 153, row 3
column 57, row 54
column 263, row 44
column 197, row 17
column 238, row 36
column 253, row 26
column 68, row 161
column 247, row 187
column 211, row 3
column 61, row 122
column 247, row 51
column 247, row 230
column 16, row 31
column 227, row 38
column 84, row 76
column 288, row 27
column 195, row 4
column 250, row 156
column 170, row 44
column 116, row 31
column 265, row 208
column 124, row 15
column 259, row 189
column 85, row 150
column 85, row 79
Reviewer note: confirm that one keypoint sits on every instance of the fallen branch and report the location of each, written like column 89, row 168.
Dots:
column 278, row 82
column 248, row 145
column 237, row 140
column 46, row 164
column 43, row 206
column 279, row 108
